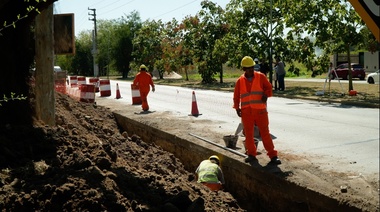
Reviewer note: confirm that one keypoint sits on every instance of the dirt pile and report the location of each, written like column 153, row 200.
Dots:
column 86, row 164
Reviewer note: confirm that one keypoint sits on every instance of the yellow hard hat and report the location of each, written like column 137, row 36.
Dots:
column 247, row 61
column 214, row 157
column 143, row 67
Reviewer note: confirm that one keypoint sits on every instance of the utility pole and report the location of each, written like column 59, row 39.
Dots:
column 94, row 39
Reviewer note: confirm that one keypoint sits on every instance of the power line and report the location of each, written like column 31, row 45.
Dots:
column 115, row 7
column 175, row 9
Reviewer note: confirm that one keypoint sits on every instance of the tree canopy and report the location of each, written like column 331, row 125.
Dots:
column 217, row 36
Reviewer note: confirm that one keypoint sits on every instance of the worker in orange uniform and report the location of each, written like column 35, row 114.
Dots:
column 252, row 90
column 210, row 174
column 144, row 80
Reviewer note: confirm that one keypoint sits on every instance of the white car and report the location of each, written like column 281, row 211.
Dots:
column 374, row 78
column 57, row 69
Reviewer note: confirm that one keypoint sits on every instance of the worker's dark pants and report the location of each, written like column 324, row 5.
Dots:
column 281, row 82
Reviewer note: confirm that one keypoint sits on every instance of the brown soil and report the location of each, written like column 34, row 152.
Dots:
column 86, row 164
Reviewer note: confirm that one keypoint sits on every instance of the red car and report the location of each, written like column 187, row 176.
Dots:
column 357, row 71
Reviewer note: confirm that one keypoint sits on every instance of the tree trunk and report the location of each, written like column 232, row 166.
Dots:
column 45, row 100
column 221, row 73
column 350, row 85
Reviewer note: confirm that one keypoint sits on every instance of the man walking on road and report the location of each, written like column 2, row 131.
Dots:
column 144, row 80
column 252, row 90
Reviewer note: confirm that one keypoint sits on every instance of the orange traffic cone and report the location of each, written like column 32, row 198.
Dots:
column 194, row 107
column 118, row 96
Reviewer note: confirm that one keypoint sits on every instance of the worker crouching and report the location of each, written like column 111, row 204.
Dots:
column 210, row 174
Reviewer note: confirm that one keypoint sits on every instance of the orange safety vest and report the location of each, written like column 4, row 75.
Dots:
column 253, row 97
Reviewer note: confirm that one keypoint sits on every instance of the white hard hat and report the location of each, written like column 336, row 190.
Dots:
column 256, row 59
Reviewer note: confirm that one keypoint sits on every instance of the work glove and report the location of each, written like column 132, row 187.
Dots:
column 264, row 99
column 238, row 111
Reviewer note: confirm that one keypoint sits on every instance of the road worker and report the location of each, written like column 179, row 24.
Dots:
column 144, row 80
column 252, row 90
column 210, row 174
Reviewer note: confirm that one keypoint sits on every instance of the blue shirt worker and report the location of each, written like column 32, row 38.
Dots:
column 210, row 174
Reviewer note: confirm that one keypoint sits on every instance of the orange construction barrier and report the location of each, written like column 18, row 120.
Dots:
column 81, row 80
column 118, row 96
column 136, row 98
column 94, row 81
column 60, row 85
column 105, row 87
column 73, row 81
column 87, row 93
column 194, row 107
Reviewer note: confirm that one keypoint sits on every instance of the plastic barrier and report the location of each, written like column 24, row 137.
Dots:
column 87, row 93
column 81, row 80
column 105, row 87
column 60, row 85
column 94, row 81
column 73, row 80
column 136, row 98
column 73, row 92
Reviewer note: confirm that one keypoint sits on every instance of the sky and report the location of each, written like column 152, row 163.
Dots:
column 165, row 10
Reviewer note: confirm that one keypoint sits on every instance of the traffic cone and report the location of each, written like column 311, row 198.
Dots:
column 194, row 107
column 118, row 96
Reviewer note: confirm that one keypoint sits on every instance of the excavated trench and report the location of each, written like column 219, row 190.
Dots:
column 256, row 189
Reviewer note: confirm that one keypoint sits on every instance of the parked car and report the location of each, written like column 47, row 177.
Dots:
column 59, row 73
column 357, row 71
column 373, row 78
column 57, row 69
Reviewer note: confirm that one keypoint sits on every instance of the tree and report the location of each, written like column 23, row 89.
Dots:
column 201, row 35
column 123, row 45
column 171, row 49
column 82, row 62
column 334, row 24
column 147, row 44
column 257, row 30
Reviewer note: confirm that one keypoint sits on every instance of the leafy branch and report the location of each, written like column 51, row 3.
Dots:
column 13, row 97
column 29, row 9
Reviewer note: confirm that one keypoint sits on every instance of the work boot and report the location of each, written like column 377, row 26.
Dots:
column 250, row 158
column 275, row 160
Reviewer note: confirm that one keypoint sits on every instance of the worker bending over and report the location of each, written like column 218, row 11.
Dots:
column 210, row 174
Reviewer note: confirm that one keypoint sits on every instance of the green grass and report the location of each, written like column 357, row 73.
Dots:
column 368, row 94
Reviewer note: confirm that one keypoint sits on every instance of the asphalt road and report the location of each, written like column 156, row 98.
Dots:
column 336, row 137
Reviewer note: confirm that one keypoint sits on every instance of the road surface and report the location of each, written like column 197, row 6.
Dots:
column 336, row 137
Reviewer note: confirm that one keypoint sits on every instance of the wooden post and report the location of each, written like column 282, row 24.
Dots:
column 44, row 89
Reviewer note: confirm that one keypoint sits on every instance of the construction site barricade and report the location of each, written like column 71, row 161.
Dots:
column 73, row 92
column 94, row 81
column 136, row 98
column 81, row 80
column 73, row 81
column 87, row 93
column 105, row 87
column 60, row 85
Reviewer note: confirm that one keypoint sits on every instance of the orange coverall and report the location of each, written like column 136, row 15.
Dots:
column 144, row 80
column 248, row 97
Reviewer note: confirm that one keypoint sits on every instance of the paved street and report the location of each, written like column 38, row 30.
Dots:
column 340, row 138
